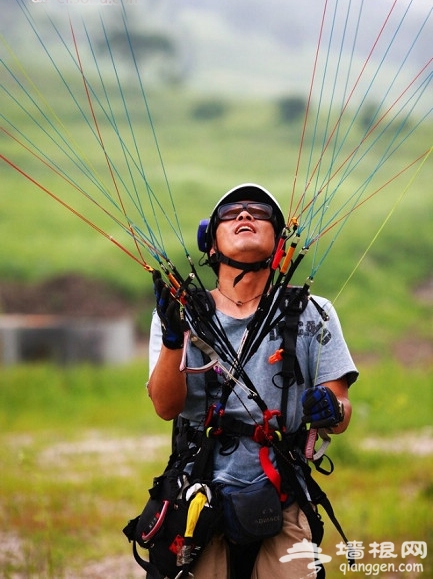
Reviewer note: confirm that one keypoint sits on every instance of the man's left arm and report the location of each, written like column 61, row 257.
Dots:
column 341, row 392
column 328, row 406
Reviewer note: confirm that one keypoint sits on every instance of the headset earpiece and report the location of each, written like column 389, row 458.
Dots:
column 201, row 235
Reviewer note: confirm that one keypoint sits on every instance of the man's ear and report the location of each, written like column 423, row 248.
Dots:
column 213, row 249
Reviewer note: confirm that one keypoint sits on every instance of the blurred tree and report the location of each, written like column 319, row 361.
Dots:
column 156, row 51
column 291, row 108
column 370, row 113
column 209, row 109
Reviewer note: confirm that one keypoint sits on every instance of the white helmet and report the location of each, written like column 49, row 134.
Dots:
column 207, row 228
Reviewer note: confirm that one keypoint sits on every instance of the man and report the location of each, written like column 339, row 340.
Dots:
column 240, row 243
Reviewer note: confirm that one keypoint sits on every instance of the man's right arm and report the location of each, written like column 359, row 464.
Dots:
column 167, row 384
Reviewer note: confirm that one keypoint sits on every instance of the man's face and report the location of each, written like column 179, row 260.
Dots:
column 245, row 231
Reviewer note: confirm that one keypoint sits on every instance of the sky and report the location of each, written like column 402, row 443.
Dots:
column 249, row 47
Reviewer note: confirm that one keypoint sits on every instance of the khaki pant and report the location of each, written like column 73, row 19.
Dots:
column 214, row 562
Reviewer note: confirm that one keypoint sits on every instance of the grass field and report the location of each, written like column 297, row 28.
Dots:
column 79, row 448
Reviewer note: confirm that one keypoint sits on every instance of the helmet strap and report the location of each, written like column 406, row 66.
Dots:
column 219, row 257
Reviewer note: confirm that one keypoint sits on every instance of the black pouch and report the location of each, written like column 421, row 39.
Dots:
column 161, row 527
column 251, row 513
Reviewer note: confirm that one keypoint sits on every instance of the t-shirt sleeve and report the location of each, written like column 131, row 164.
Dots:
column 330, row 358
column 155, row 341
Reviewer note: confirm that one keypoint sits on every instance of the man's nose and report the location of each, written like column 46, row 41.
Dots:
column 244, row 214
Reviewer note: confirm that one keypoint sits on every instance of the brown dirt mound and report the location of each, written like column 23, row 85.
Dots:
column 68, row 295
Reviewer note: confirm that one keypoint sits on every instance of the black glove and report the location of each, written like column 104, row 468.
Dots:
column 168, row 310
column 321, row 407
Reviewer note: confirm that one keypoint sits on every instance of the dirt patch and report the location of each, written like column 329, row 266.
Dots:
column 418, row 443
column 78, row 296
column 15, row 552
column 120, row 566
column 424, row 292
column 96, row 450
column 414, row 351
column 67, row 295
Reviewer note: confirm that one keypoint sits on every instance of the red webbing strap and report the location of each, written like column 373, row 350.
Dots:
column 271, row 472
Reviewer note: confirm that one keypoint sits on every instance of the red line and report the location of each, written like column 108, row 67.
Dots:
column 351, row 93
column 86, row 88
column 368, row 134
column 92, row 110
column 77, row 213
column 371, row 195
column 62, row 176
column 304, row 127
column 347, row 103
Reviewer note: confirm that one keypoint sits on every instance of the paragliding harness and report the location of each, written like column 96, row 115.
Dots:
column 182, row 513
column 175, row 529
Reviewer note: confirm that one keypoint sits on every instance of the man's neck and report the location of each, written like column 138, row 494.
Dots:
column 242, row 299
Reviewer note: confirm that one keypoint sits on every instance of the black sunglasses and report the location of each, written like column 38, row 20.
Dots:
column 230, row 211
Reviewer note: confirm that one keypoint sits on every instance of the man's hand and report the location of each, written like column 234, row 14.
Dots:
column 168, row 310
column 321, row 407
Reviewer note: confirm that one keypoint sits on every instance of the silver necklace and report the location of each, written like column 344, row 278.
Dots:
column 239, row 303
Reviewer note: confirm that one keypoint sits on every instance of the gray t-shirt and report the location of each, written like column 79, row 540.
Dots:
column 322, row 355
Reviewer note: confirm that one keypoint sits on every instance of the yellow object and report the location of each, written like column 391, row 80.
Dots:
column 195, row 507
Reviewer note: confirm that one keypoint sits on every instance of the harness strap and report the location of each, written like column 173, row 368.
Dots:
column 151, row 570
column 290, row 370
column 286, row 461
column 271, row 472
column 203, row 463
column 319, row 497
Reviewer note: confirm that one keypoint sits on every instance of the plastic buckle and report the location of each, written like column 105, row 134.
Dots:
column 277, row 356
column 215, row 412
column 265, row 434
